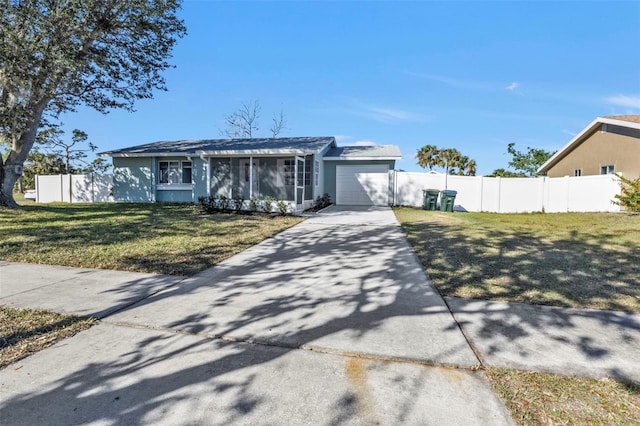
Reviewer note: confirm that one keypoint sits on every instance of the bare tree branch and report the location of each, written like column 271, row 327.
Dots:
column 279, row 124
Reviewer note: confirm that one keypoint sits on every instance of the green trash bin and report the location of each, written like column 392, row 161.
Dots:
column 447, row 200
column 430, row 199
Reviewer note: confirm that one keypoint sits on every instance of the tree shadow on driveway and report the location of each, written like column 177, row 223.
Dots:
column 186, row 352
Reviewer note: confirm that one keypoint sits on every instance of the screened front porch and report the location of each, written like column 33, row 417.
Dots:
column 290, row 179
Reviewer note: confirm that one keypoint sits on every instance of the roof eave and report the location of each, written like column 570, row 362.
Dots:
column 579, row 138
column 345, row 158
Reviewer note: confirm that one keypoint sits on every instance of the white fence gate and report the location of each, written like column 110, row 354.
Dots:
column 513, row 195
column 87, row 188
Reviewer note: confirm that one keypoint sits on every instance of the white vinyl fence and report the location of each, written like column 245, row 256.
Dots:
column 88, row 188
column 513, row 195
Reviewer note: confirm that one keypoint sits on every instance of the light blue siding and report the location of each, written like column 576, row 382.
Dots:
column 133, row 180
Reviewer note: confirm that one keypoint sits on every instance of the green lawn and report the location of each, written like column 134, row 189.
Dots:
column 159, row 238
column 584, row 260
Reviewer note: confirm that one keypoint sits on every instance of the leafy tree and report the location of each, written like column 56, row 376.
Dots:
column 41, row 163
column 72, row 152
column 57, row 55
column 98, row 165
column 629, row 196
column 527, row 162
column 506, row 173
column 450, row 159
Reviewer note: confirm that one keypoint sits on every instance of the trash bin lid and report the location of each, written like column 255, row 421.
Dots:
column 449, row 192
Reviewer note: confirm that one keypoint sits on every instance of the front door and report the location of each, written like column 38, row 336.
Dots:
column 248, row 178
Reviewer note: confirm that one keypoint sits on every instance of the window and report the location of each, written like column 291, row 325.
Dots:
column 607, row 170
column 577, row 172
column 186, row 172
column 289, row 172
column 307, row 171
column 316, row 172
column 173, row 172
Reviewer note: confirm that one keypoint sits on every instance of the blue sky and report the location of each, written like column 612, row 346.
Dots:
column 467, row 75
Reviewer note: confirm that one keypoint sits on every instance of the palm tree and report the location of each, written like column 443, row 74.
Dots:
column 470, row 168
column 428, row 156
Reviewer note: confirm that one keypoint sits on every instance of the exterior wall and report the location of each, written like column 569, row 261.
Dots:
column 133, row 180
column 601, row 149
column 329, row 174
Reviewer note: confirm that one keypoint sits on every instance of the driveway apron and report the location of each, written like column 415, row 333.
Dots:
column 330, row 322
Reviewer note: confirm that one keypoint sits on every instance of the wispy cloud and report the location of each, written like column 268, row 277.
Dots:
column 513, row 86
column 568, row 132
column 624, row 101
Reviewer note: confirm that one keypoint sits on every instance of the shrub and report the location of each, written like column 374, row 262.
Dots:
column 208, row 204
column 253, row 204
column 283, row 207
column 238, row 202
column 267, row 205
column 225, row 202
column 629, row 196
column 322, row 202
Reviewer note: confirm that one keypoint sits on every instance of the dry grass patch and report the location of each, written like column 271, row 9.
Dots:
column 548, row 399
column 581, row 260
column 25, row 331
column 157, row 238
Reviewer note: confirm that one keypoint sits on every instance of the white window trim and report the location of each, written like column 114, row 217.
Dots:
column 175, row 185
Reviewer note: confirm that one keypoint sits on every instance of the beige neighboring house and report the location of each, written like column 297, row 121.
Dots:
column 607, row 145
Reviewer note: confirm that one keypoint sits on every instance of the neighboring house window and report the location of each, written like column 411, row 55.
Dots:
column 606, row 170
column 175, row 172
column 316, row 172
column 577, row 172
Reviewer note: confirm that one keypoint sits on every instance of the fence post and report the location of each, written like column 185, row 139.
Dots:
column 499, row 185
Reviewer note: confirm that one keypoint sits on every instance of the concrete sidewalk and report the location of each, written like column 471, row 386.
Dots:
column 348, row 326
column 79, row 291
column 578, row 342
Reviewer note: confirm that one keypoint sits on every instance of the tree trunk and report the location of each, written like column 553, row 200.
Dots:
column 9, row 178
column 11, row 169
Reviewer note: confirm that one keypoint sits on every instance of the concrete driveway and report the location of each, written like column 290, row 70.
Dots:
column 330, row 322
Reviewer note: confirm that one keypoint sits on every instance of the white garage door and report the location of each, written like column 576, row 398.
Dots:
column 364, row 185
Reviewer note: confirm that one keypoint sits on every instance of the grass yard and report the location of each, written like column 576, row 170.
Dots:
column 158, row 238
column 582, row 260
column 546, row 399
column 25, row 331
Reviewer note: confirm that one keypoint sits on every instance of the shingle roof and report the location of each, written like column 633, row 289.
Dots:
column 355, row 152
column 631, row 118
column 300, row 145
